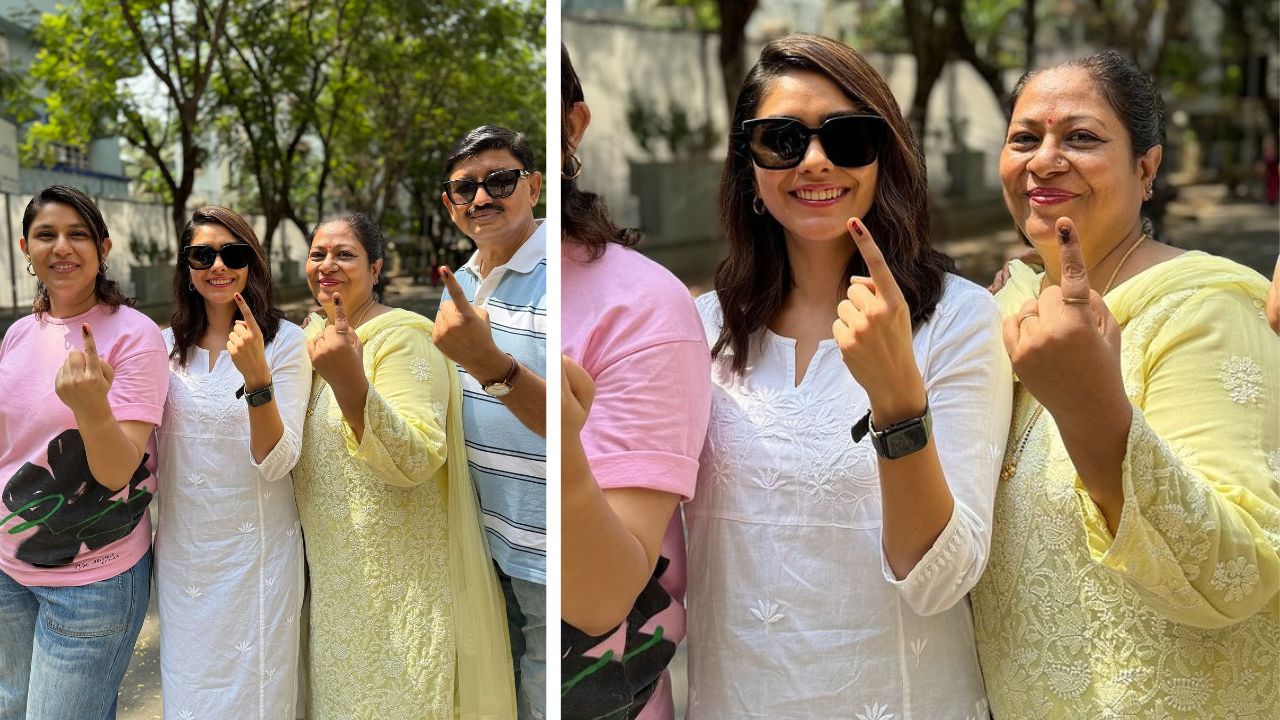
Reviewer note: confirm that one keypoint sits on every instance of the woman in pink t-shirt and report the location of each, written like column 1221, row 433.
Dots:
column 83, row 380
column 634, row 402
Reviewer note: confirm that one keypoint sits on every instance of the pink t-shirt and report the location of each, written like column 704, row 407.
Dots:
column 58, row 526
column 634, row 328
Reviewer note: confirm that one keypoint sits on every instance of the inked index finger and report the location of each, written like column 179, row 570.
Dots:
column 877, row 267
column 1074, row 280
column 90, row 348
column 246, row 313
column 456, row 293
column 339, row 314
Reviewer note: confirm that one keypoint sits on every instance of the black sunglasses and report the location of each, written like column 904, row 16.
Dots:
column 779, row 143
column 499, row 184
column 201, row 257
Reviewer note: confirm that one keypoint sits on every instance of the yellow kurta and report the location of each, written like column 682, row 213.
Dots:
column 1178, row 615
column 406, row 617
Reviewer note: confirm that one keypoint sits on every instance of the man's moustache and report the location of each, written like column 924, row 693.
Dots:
column 472, row 212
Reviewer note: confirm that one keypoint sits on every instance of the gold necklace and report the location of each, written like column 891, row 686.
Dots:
column 1008, row 471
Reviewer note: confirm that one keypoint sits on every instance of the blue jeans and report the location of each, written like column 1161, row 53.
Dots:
column 64, row 650
column 527, row 623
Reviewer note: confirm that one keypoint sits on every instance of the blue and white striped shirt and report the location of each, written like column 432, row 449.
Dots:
column 508, row 461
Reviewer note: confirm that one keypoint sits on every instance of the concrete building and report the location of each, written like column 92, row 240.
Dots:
column 97, row 169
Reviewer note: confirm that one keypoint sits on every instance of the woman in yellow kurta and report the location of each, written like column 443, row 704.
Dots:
column 1134, row 568
column 407, row 620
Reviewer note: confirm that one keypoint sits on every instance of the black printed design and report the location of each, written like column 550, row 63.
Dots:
column 617, row 688
column 70, row 508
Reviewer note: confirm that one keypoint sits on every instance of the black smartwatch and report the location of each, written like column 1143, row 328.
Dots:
column 899, row 439
column 257, row 398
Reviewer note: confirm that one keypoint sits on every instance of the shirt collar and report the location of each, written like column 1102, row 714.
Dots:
column 527, row 257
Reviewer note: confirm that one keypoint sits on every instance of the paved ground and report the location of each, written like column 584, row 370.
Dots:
column 1201, row 219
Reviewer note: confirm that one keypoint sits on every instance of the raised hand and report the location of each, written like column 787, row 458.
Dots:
column 463, row 334
column 1065, row 345
column 577, row 390
column 336, row 352
column 83, row 381
column 874, row 334
column 245, row 346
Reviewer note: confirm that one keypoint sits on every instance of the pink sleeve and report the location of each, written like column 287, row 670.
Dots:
column 649, row 416
column 141, row 384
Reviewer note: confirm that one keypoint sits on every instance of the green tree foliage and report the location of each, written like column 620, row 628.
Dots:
column 91, row 58
column 344, row 104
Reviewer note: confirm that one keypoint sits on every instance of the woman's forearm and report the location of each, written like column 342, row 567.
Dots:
column 351, row 395
column 265, row 430
column 611, row 544
column 1097, row 445
column 916, row 505
column 114, row 449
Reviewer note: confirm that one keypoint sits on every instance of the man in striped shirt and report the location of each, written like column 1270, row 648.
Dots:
column 492, row 324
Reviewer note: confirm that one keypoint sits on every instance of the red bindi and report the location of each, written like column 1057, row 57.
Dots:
column 1050, row 122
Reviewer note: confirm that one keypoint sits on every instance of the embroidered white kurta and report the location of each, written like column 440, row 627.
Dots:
column 228, row 565
column 793, row 610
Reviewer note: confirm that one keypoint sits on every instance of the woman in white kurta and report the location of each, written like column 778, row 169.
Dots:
column 229, row 564
column 828, row 573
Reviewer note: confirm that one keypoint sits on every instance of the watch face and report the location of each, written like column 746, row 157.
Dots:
column 497, row 389
column 906, row 440
column 259, row 398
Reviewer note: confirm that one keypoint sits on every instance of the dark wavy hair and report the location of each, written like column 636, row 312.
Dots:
column 189, row 320
column 755, row 278
column 584, row 215
column 106, row 290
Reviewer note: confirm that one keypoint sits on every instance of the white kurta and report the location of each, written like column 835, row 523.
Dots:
column 793, row 610
column 229, row 566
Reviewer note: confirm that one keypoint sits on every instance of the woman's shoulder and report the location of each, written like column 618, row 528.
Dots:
column 966, row 302
column 136, row 328
column 396, row 325
column 620, row 263
column 1187, row 281
column 288, row 336
column 709, row 311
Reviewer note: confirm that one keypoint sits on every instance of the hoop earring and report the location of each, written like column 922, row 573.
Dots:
column 191, row 287
column 30, row 270
column 757, row 205
column 572, row 168
column 103, row 270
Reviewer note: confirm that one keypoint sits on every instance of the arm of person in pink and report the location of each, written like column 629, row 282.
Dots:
column 116, row 407
column 625, row 469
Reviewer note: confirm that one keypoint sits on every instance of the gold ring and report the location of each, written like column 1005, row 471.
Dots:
column 340, row 332
column 1025, row 316
column 1075, row 301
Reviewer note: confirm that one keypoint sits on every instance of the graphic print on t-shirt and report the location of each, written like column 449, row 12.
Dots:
column 68, row 508
column 613, row 676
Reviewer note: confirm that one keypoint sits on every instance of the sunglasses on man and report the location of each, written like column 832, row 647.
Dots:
column 780, row 143
column 201, row 257
column 498, row 185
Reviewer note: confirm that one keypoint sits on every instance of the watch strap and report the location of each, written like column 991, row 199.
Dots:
column 864, row 427
column 259, row 397
column 510, row 379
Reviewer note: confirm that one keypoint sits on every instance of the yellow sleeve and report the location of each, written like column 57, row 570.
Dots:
column 404, row 411
column 1199, row 536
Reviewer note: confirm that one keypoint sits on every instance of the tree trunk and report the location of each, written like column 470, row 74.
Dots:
column 734, row 15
